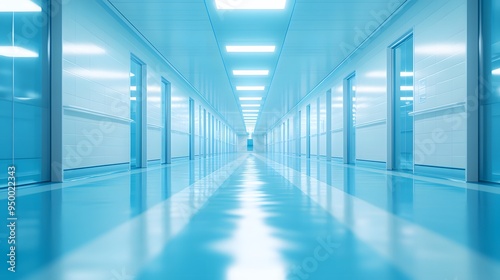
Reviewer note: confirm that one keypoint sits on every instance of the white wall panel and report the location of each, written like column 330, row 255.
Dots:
column 154, row 143
column 179, row 147
column 314, row 145
column 303, row 145
column 322, row 144
column 99, row 82
column 439, row 29
column 242, row 143
column 337, row 144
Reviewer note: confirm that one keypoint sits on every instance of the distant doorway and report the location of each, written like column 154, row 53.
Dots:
column 250, row 145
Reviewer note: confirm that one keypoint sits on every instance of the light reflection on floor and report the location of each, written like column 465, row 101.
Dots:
column 250, row 216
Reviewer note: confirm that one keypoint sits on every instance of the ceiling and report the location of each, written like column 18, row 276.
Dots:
column 311, row 37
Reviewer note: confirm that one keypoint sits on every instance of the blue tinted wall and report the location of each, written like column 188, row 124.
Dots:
column 490, row 97
column 24, row 96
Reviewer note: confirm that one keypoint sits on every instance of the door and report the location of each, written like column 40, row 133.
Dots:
column 350, row 120
column 403, row 105
column 136, row 127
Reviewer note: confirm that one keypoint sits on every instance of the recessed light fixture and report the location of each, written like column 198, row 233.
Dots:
column 250, row 105
column 406, row 88
column 19, row 6
column 257, row 49
column 406, row 74
column 496, row 72
column 133, row 88
column 250, row 4
column 12, row 51
column 250, row 88
column 250, row 115
column 250, row 111
column 250, row 72
column 406, row 98
column 250, row 98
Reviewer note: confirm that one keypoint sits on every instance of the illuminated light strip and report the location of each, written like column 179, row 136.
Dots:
column 247, row 88
column 250, row 72
column 18, row 6
column 250, row 98
column 250, row 4
column 406, row 88
column 406, row 74
column 257, row 49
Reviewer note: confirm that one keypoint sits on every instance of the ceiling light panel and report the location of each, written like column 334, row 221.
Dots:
column 250, row 105
column 19, row 6
column 250, row 72
column 250, row 4
column 257, row 49
column 250, row 98
column 247, row 88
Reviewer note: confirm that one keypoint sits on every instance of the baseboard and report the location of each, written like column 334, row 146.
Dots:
column 440, row 172
column 86, row 172
column 371, row 164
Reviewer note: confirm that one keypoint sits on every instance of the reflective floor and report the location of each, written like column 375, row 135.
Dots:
column 252, row 216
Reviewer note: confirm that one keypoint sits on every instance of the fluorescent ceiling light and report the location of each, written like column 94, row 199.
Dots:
column 250, row 111
column 19, row 6
column 406, row 74
column 250, row 4
column 250, row 48
column 496, row 72
column 250, row 115
column 406, row 88
column 12, row 51
column 406, row 98
column 250, row 88
column 250, row 105
column 133, row 98
column 133, row 88
column 250, row 98
column 98, row 74
column 250, row 72
column 132, row 75
column 82, row 49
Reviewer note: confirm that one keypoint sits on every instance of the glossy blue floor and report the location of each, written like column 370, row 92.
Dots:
column 251, row 216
